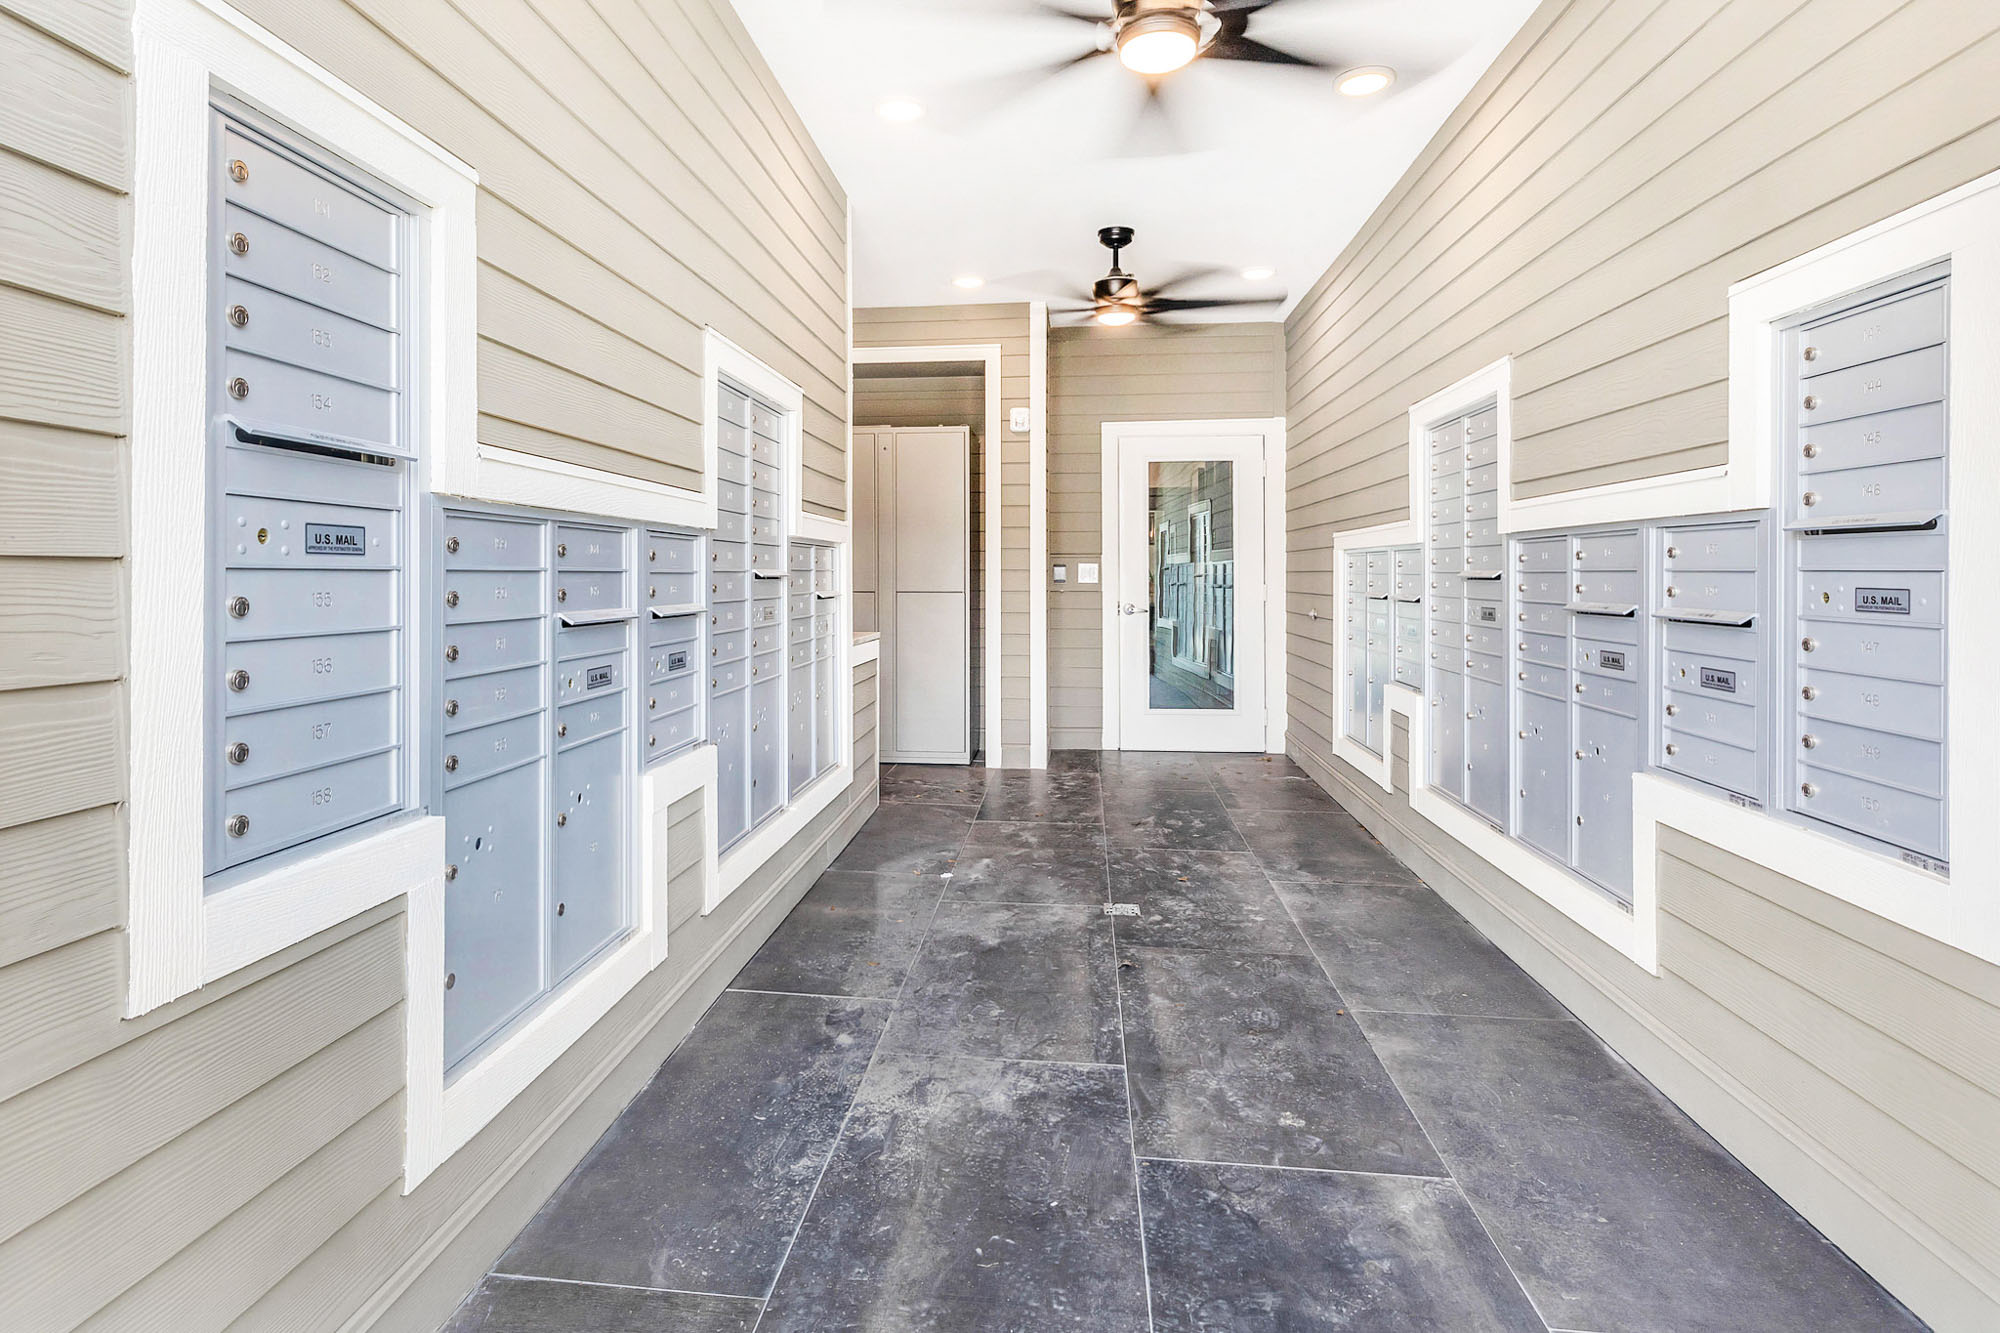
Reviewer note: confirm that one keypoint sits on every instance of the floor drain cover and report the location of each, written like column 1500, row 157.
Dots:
column 1121, row 909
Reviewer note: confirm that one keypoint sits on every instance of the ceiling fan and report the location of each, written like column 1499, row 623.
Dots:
column 1118, row 300
column 1154, row 38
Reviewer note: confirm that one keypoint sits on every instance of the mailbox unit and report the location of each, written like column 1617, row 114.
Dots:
column 813, row 598
column 536, row 758
column 1466, row 649
column 1382, row 624
column 675, row 609
column 1864, row 508
column 309, row 486
column 1708, row 604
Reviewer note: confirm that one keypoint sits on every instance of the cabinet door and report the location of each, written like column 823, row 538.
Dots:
column 1610, row 747
column 589, row 833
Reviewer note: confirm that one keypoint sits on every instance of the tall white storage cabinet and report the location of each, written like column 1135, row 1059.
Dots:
column 913, row 564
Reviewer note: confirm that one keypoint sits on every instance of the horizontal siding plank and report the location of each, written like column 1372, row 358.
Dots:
column 62, row 622
column 62, row 492
column 56, row 1007
column 62, row 883
column 98, row 28
column 61, row 236
column 583, row 453
column 59, row 106
column 61, row 364
column 517, row 316
column 65, row 751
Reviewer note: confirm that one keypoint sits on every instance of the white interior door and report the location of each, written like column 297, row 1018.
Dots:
column 1189, row 608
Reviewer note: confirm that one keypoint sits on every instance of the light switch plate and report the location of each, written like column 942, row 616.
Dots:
column 1018, row 419
column 1061, row 574
column 1086, row 573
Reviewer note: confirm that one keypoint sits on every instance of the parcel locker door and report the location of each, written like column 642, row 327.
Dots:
column 799, row 717
column 492, row 905
column 1486, row 749
column 826, row 729
column 1544, row 762
column 767, row 748
column 1448, row 732
column 589, row 827
column 1609, row 746
column 729, row 727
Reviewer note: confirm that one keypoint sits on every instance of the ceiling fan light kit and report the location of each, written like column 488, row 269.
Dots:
column 1156, row 37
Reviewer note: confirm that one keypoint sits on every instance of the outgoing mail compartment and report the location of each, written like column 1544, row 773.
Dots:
column 1732, row 546
column 1691, row 590
column 312, row 735
column 314, row 408
column 295, row 265
column 495, row 646
column 286, row 602
column 471, row 755
column 257, row 469
column 1713, row 675
column 488, row 594
column 1903, row 818
column 1713, row 761
column 729, row 557
column 685, row 628
column 1901, row 324
column 293, row 534
column 590, row 592
column 286, row 811
column 589, row 718
column 276, row 187
column 474, row 701
column 672, row 552
column 1920, row 549
column 1907, row 597
column 1878, row 386
column 477, row 542
column 589, row 548
column 280, row 328
column 1879, row 756
column 1898, row 652
column 589, row 641
column 1905, row 707
column 1902, row 436
column 1606, row 629
column 286, row 671
column 1832, row 498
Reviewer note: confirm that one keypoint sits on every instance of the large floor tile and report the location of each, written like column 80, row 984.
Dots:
column 1045, row 797
column 1240, row 1248
column 1007, row 980
column 1242, row 1058
column 1401, row 947
column 1319, row 844
column 539, row 1305
column 854, row 933
column 701, row 1181
column 1274, row 793
column 1140, row 815
column 1161, row 769
column 972, row 1194
column 907, row 840
column 1225, row 769
column 1031, row 863
column 1211, row 901
column 1616, row 1210
column 934, row 784
column 1075, row 761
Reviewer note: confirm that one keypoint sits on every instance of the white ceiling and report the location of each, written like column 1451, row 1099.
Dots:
column 1278, row 169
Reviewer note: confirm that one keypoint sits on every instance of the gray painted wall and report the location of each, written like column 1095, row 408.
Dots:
column 1131, row 374
column 233, row 1159
column 1585, row 210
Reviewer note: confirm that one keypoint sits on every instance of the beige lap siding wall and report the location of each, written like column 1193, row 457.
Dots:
column 1585, row 211
column 1008, row 327
column 944, row 400
column 234, row 1158
column 1131, row 374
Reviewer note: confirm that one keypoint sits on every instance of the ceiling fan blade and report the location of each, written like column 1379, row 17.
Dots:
column 1238, row 46
column 1183, row 278
column 1173, row 306
column 1064, row 12
column 1240, row 6
column 978, row 97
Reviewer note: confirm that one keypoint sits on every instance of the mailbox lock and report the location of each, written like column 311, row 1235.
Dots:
column 1811, row 354
column 1520, row 587
column 561, row 908
column 651, row 741
column 1520, row 675
column 1808, row 790
column 1810, row 741
column 652, row 591
column 1579, row 755
column 239, row 315
column 451, row 763
column 1673, row 710
column 562, row 594
column 451, row 708
column 1672, row 749
column 653, row 554
column 562, row 728
column 1580, row 687
column 451, row 545
column 239, row 607
column 451, row 598
column 239, row 243
column 450, row 873
column 239, row 752
column 1807, row 644
column 451, row 652
column 562, row 548
column 1810, row 451
column 1812, row 403
column 1522, row 734
column 1673, row 552
column 562, row 818
column 238, row 825
column 239, row 388
column 653, row 703
column 239, row 680
column 1809, row 692
column 1809, row 499
column 1672, row 591
column 239, row 170
column 1521, row 559
column 450, row 980
column 1579, row 587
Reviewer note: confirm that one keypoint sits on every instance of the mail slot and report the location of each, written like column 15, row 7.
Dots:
column 1901, row 324
column 673, row 629
column 480, row 594
column 277, row 187
column 258, row 469
column 590, row 593
column 287, row 602
column 289, row 403
column 281, row 328
column 295, row 265
column 582, row 548
column 472, row 542
column 274, row 672
column 589, row 837
column 1878, row 386
column 259, row 746
column 493, row 646
column 1902, row 818
column 482, row 751
column 768, row 588
column 492, row 905
column 673, row 553
column 474, row 701
column 289, row 810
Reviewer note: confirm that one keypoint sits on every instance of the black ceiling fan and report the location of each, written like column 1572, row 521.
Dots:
column 1116, row 299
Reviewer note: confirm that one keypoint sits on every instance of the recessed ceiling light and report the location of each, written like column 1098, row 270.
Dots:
column 899, row 110
column 971, row 282
column 1366, row 81
column 1259, row 274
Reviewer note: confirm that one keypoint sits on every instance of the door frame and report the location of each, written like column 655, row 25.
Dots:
column 1272, row 431
column 987, row 356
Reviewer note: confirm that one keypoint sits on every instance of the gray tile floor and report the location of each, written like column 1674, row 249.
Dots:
column 1295, row 1091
